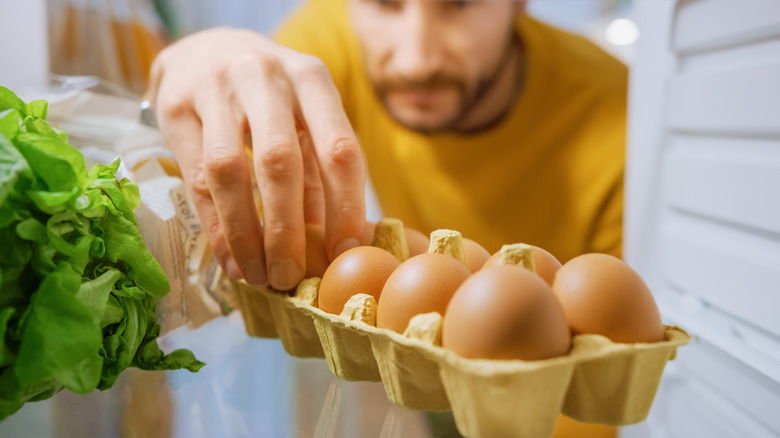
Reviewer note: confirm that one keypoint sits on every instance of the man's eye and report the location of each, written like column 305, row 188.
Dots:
column 460, row 4
column 392, row 5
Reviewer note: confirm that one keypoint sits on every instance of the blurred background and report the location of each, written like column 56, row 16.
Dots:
column 251, row 387
column 702, row 219
column 592, row 18
column 133, row 31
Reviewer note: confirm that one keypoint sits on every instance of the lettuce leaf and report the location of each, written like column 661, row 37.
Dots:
column 6, row 355
column 58, row 331
column 12, row 166
column 78, row 287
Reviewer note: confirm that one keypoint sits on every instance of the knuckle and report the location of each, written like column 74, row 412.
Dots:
column 236, row 232
column 256, row 67
column 257, row 63
column 279, row 160
column 225, row 170
column 174, row 105
column 219, row 72
column 349, row 210
column 345, row 153
column 278, row 232
column 310, row 68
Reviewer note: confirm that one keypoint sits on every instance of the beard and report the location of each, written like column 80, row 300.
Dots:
column 461, row 97
column 430, row 118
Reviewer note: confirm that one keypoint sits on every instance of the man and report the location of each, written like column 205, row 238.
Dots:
column 471, row 116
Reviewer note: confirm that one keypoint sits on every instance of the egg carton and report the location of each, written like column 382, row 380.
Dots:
column 598, row 381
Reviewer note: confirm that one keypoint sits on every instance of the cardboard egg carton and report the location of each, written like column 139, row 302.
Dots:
column 597, row 381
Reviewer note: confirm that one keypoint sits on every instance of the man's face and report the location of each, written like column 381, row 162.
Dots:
column 432, row 61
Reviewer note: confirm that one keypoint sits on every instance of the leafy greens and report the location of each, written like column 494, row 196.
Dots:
column 78, row 287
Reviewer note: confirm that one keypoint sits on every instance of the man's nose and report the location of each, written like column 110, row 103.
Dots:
column 419, row 50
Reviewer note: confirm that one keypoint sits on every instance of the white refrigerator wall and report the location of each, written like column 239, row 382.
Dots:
column 703, row 209
column 24, row 54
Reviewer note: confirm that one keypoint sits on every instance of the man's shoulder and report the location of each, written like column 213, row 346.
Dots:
column 575, row 57
column 321, row 28
column 312, row 20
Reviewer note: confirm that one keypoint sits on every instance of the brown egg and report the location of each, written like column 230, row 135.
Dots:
column 316, row 259
column 418, row 242
column 601, row 294
column 546, row 264
column 505, row 312
column 476, row 254
column 363, row 269
column 424, row 283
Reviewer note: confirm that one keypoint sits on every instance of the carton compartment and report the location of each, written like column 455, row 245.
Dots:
column 410, row 371
column 506, row 398
column 618, row 388
column 599, row 381
column 256, row 310
column 347, row 347
column 295, row 327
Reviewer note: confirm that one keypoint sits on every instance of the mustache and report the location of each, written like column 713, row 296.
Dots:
column 437, row 80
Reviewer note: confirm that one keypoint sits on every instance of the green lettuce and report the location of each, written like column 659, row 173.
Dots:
column 78, row 287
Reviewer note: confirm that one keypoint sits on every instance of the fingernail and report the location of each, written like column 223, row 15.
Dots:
column 231, row 269
column 255, row 273
column 345, row 245
column 285, row 274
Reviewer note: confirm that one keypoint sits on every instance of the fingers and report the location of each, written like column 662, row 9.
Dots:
column 239, row 79
column 182, row 130
column 313, row 192
column 279, row 170
column 230, row 186
column 339, row 156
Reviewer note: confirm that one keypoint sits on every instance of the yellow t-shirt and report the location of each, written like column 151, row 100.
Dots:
column 549, row 174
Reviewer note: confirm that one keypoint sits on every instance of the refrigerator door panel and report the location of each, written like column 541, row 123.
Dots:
column 703, row 209
column 687, row 407
column 724, row 268
column 725, row 180
column 695, row 30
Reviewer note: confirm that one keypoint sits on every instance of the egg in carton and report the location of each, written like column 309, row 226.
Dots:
column 597, row 380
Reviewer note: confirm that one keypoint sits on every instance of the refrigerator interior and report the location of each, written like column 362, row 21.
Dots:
column 702, row 227
column 703, row 208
